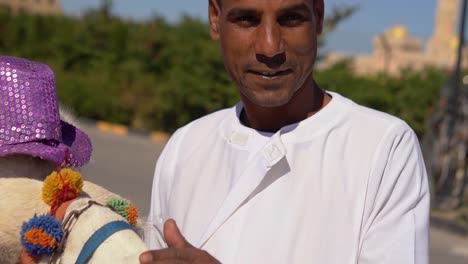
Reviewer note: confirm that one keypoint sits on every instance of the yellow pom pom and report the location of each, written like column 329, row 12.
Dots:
column 54, row 183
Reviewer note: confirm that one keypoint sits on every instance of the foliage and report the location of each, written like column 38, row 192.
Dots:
column 156, row 75
column 338, row 14
column 138, row 74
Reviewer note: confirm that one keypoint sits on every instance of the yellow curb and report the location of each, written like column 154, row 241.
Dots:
column 104, row 126
column 120, row 130
column 160, row 136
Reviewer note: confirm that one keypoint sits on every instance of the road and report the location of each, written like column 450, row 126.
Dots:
column 125, row 165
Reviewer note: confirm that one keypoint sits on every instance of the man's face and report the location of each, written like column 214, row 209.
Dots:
column 269, row 46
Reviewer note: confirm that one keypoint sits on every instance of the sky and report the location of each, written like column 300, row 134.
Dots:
column 352, row 36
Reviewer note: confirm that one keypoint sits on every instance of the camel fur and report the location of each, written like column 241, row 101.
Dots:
column 20, row 199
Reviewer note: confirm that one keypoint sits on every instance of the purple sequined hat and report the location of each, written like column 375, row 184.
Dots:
column 29, row 116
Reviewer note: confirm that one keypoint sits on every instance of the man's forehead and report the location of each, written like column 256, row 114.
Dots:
column 265, row 3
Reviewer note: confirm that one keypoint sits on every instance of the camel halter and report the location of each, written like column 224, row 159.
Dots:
column 96, row 239
column 46, row 235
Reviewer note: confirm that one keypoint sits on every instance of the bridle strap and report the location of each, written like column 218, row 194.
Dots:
column 99, row 237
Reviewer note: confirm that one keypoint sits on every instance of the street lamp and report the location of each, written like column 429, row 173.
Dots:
column 447, row 137
column 454, row 104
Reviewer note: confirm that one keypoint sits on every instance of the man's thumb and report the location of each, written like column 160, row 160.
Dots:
column 174, row 238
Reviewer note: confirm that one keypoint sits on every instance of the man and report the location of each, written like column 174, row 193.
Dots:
column 291, row 174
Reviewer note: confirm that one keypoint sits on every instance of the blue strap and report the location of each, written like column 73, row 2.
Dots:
column 100, row 236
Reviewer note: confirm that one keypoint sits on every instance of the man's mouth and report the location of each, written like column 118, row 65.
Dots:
column 270, row 74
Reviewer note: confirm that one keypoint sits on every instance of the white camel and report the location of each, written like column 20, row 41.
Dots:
column 20, row 199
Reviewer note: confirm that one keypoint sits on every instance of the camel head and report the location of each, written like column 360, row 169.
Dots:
column 80, row 229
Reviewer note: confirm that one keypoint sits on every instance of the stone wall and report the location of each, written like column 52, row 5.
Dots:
column 396, row 49
column 45, row 7
column 444, row 42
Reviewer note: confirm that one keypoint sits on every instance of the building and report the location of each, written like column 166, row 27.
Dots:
column 396, row 49
column 43, row 7
column 443, row 45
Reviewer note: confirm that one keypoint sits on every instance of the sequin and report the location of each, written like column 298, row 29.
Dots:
column 29, row 114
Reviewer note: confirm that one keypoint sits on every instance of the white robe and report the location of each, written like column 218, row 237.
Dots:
column 347, row 185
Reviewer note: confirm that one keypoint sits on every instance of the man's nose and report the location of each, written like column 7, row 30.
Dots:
column 269, row 42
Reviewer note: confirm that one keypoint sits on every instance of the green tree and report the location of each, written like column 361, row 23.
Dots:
column 158, row 75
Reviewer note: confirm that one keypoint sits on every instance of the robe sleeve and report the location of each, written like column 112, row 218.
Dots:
column 396, row 216
column 153, row 231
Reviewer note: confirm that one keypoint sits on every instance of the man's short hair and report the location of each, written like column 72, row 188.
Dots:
column 219, row 2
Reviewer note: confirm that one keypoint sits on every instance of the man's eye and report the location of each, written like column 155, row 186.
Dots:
column 246, row 21
column 291, row 20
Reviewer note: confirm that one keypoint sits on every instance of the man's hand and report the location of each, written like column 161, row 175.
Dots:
column 178, row 251
column 26, row 258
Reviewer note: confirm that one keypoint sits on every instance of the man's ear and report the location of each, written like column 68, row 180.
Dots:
column 319, row 11
column 214, row 14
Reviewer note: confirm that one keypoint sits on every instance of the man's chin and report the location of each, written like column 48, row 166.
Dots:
column 268, row 101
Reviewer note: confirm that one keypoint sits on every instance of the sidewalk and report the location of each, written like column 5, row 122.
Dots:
column 454, row 222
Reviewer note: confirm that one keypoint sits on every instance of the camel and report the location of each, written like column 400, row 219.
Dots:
column 123, row 247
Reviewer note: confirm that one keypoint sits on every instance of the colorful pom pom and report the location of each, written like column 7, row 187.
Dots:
column 67, row 184
column 41, row 235
column 125, row 208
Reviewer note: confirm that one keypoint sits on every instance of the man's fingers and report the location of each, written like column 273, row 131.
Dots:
column 167, row 254
column 26, row 258
column 179, row 251
column 173, row 237
column 146, row 257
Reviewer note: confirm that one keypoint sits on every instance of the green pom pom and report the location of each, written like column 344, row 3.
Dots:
column 120, row 206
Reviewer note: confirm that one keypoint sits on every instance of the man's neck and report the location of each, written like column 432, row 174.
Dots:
column 305, row 103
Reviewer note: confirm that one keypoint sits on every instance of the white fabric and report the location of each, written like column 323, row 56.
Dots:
column 347, row 185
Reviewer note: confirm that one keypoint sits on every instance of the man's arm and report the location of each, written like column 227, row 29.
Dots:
column 396, row 225
column 153, row 227
column 167, row 242
column 153, row 234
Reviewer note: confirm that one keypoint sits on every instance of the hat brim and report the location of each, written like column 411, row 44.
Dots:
column 74, row 143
